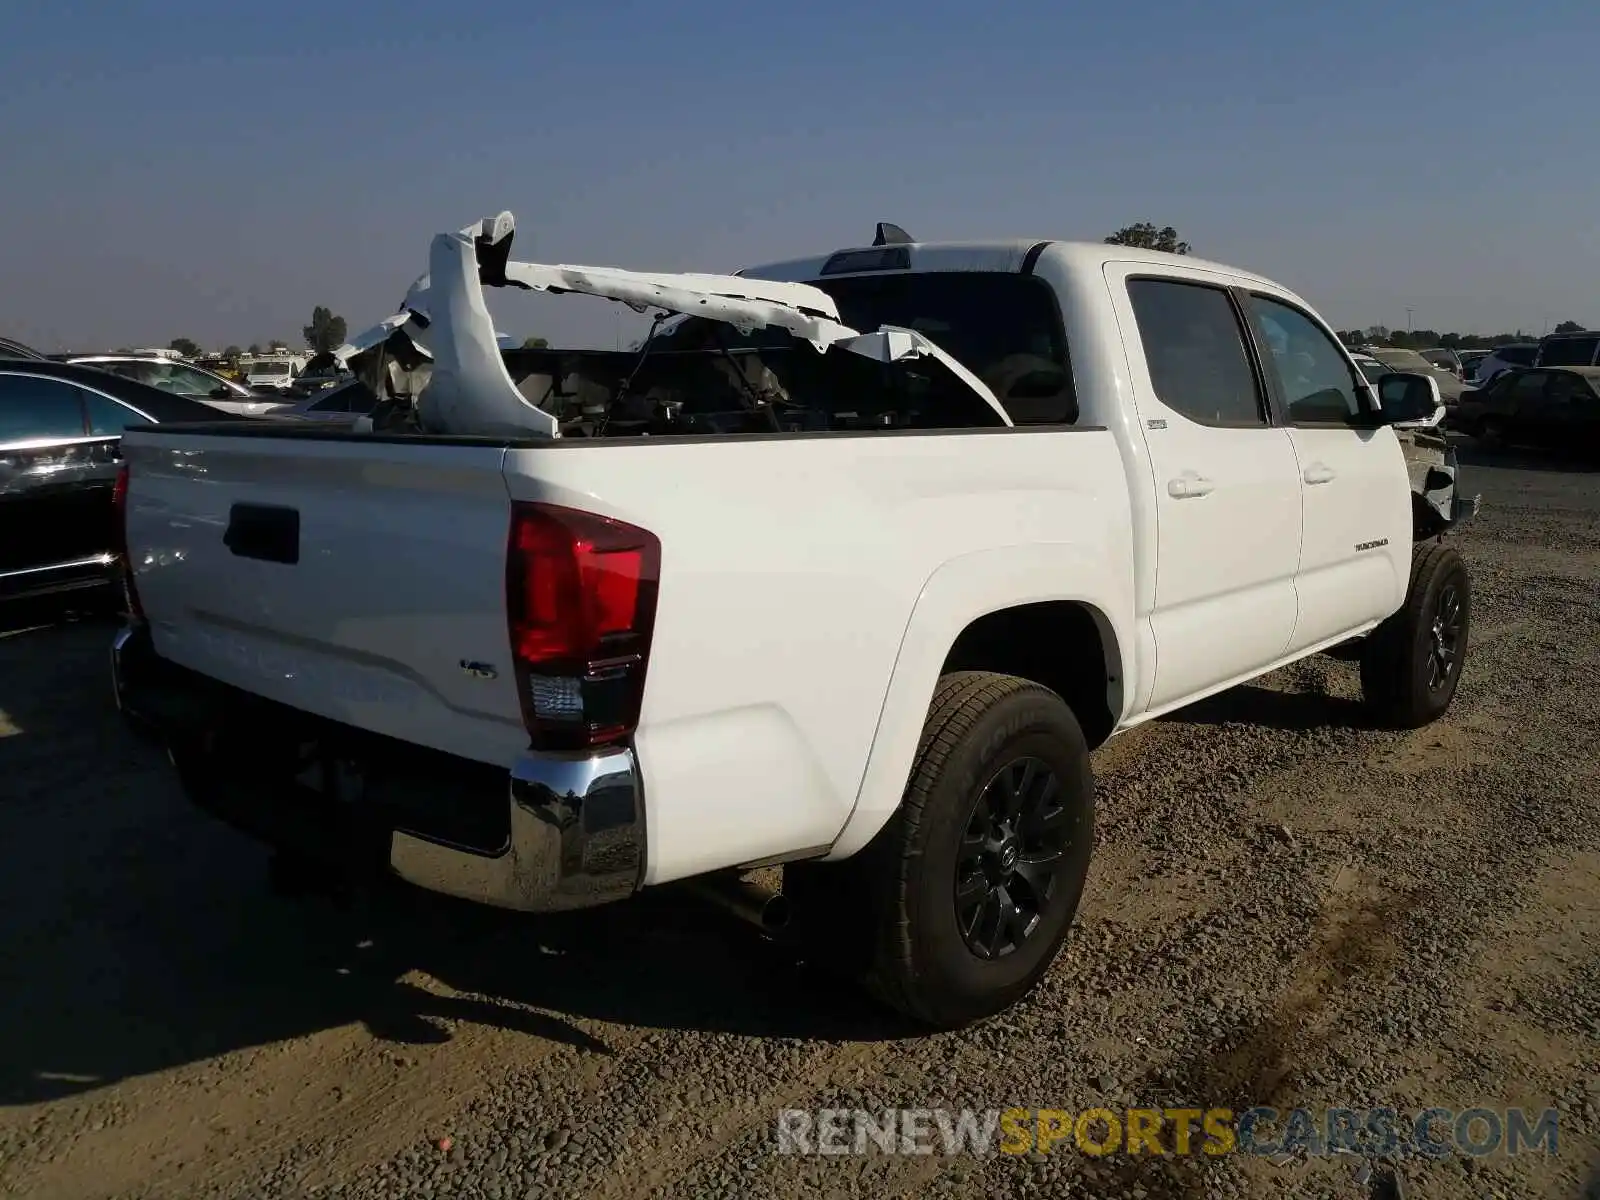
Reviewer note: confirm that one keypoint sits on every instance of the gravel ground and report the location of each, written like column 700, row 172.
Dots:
column 1285, row 908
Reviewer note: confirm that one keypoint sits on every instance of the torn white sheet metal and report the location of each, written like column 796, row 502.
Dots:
column 496, row 230
column 747, row 305
column 470, row 391
column 379, row 333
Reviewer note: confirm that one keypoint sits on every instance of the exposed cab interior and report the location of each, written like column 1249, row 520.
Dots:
column 728, row 355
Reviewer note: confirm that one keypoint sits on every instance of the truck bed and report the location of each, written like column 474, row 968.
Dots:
column 790, row 567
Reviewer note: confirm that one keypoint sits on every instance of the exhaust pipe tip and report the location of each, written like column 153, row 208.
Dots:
column 776, row 913
column 768, row 911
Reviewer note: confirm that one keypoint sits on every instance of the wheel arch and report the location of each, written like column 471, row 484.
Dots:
column 995, row 611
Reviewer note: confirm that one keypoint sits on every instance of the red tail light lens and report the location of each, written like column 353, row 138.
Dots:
column 581, row 602
column 119, row 505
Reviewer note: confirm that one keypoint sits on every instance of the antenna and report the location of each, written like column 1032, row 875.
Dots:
column 891, row 235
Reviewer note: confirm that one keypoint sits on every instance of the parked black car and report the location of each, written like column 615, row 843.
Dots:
column 10, row 348
column 1548, row 406
column 60, row 446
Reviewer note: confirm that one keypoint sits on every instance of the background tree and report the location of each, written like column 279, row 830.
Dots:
column 277, row 344
column 1569, row 327
column 232, row 352
column 255, row 347
column 1148, row 236
column 535, row 343
column 184, row 346
column 325, row 331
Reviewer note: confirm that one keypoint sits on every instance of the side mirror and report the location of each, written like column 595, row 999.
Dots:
column 1407, row 399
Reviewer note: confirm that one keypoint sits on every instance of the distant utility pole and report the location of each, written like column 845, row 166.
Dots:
column 1408, row 320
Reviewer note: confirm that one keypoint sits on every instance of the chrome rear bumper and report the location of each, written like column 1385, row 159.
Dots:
column 571, row 833
column 577, row 839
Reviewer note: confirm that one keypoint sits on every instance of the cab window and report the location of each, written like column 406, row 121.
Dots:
column 1194, row 347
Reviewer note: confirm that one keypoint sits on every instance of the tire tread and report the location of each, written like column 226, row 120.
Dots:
column 959, row 702
column 1386, row 665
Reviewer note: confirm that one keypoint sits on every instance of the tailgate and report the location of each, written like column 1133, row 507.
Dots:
column 363, row 581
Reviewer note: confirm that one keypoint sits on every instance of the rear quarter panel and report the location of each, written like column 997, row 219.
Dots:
column 791, row 569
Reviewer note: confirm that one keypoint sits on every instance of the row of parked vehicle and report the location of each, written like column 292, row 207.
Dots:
column 1537, row 406
column 1538, row 393
column 1479, row 368
column 61, row 425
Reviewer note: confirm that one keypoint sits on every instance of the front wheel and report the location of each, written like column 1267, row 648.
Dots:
column 1411, row 664
column 964, row 899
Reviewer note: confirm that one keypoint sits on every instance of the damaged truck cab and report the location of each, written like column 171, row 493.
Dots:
column 847, row 567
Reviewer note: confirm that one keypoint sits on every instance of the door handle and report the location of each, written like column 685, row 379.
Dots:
column 1318, row 473
column 1189, row 485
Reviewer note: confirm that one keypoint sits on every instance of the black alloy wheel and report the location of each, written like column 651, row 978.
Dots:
column 1443, row 648
column 1010, row 857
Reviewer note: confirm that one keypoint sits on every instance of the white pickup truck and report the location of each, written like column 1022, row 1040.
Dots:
column 774, row 590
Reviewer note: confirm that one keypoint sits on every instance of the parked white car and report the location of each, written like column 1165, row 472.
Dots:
column 186, row 379
column 1514, row 357
column 852, row 582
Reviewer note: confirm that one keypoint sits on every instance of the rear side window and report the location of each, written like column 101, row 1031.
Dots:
column 128, row 370
column 32, row 409
column 1571, row 389
column 1569, row 352
column 1521, row 356
column 1194, row 347
column 107, row 418
column 1527, row 386
column 1002, row 326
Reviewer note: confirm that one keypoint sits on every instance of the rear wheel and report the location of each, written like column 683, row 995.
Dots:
column 1411, row 664
column 962, row 902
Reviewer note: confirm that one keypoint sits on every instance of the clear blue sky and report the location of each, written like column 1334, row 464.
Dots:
column 215, row 170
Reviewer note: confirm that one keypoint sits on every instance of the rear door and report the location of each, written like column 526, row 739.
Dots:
column 1228, row 490
column 54, row 474
column 1355, row 493
column 1569, row 409
column 108, row 419
column 1523, row 401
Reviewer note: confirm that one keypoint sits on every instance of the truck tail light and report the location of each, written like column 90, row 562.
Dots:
column 119, row 504
column 581, row 605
